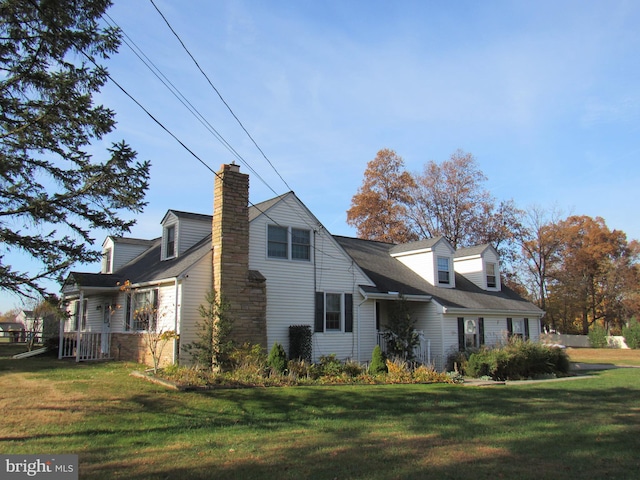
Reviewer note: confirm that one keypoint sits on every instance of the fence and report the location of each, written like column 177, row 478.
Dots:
column 85, row 346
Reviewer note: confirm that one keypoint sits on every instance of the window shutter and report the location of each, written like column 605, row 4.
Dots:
column 348, row 312
column 481, row 331
column 461, row 334
column 319, row 321
column 510, row 326
column 526, row 329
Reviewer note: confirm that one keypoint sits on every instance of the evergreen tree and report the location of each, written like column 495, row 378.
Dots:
column 53, row 193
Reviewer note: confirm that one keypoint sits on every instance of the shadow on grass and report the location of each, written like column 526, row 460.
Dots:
column 128, row 428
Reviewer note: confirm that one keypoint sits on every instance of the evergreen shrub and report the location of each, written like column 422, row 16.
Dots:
column 277, row 359
column 631, row 334
column 378, row 362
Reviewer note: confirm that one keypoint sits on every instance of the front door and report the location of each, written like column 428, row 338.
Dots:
column 106, row 329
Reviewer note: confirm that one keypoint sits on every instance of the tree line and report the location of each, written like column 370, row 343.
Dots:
column 580, row 272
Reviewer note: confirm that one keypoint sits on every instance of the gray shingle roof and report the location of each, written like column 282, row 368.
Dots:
column 391, row 275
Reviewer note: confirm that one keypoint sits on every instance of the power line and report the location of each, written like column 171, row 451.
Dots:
column 219, row 94
column 181, row 98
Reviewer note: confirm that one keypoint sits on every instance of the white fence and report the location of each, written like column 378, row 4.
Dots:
column 579, row 341
column 84, row 346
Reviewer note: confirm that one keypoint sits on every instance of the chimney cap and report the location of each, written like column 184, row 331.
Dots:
column 232, row 167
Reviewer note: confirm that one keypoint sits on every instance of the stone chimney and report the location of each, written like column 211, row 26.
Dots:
column 243, row 290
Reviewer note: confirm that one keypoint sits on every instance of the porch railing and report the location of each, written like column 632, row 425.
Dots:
column 85, row 346
column 422, row 352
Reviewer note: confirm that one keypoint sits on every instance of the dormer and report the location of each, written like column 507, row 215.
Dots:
column 118, row 251
column 480, row 265
column 181, row 231
column 432, row 259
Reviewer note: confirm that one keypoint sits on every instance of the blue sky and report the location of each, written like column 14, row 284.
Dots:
column 545, row 95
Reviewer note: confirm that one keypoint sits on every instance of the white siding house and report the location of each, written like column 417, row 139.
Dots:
column 292, row 272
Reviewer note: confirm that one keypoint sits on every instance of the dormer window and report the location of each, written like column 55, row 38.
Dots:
column 491, row 275
column 444, row 271
column 170, row 242
column 106, row 256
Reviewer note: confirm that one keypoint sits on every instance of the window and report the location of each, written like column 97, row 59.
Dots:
column 142, row 310
column 170, row 245
column 296, row 246
column 106, row 257
column 443, row 270
column 470, row 333
column 278, row 243
column 518, row 328
column 491, row 275
column 333, row 310
column 80, row 314
column 300, row 244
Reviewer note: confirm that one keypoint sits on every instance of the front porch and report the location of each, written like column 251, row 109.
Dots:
column 422, row 352
column 85, row 346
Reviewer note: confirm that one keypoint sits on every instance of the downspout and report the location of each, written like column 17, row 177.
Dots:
column 365, row 298
column 80, row 316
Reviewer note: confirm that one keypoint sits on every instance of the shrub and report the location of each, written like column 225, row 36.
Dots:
column 631, row 334
column 249, row 357
column 330, row 366
column 457, row 361
column 428, row 374
column 598, row 337
column 378, row 364
column 398, row 371
column 517, row 360
column 277, row 359
column 300, row 342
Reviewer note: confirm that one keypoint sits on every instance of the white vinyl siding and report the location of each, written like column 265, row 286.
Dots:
column 188, row 230
column 426, row 263
column 292, row 285
column 474, row 268
column 192, row 292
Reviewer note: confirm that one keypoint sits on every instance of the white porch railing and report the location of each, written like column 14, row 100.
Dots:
column 85, row 346
column 422, row 351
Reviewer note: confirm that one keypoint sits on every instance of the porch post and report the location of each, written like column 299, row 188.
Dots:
column 79, row 313
column 61, row 341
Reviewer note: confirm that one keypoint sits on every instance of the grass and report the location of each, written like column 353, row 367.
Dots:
column 614, row 356
column 123, row 427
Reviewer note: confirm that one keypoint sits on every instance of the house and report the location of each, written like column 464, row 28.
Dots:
column 277, row 266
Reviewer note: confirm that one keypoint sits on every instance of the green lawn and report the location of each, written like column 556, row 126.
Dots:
column 124, row 427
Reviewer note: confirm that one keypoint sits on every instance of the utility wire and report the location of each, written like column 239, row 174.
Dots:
column 219, row 94
column 181, row 98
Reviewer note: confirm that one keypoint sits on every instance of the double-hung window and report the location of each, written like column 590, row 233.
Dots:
column 334, row 312
column 170, row 242
column 491, row 275
column 444, row 272
column 142, row 310
column 288, row 244
column 300, row 244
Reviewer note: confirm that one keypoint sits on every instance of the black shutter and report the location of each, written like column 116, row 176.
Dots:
column 348, row 312
column 526, row 329
column 460, row 334
column 481, row 331
column 319, row 321
column 510, row 326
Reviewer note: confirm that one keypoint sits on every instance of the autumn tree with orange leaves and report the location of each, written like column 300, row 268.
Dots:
column 593, row 275
column 379, row 208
